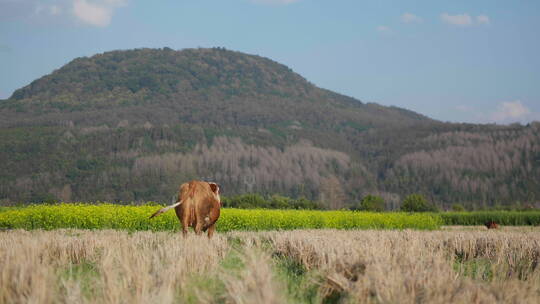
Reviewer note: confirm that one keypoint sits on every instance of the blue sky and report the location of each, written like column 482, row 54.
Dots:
column 463, row 61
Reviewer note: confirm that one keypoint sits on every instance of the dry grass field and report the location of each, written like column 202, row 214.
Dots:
column 453, row 265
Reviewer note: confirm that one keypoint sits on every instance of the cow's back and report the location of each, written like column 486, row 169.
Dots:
column 198, row 203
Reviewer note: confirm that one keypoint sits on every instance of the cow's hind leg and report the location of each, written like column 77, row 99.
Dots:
column 183, row 217
column 199, row 227
column 184, row 229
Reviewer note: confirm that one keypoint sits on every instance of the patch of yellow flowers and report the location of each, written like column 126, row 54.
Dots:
column 110, row 216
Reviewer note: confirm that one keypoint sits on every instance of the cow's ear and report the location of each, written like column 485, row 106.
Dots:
column 214, row 187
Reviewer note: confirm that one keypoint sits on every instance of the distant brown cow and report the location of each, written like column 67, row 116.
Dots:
column 198, row 206
column 491, row 225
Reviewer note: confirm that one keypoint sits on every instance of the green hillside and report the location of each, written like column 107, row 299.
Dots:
column 131, row 125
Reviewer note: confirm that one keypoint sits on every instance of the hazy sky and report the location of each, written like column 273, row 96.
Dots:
column 473, row 61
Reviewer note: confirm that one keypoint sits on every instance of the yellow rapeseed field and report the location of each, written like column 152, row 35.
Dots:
column 109, row 216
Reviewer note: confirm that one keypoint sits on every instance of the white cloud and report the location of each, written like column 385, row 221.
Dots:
column 96, row 13
column 482, row 19
column 511, row 111
column 465, row 19
column 459, row 20
column 92, row 12
column 31, row 10
column 384, row 29
column 410, row 18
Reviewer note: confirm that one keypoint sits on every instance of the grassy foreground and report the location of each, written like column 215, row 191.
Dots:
column 308, row 266
column 108, row 216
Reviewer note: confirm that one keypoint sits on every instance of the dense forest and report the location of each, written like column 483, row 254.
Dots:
column 131, row 125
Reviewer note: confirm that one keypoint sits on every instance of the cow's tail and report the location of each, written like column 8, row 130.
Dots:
column 162, row 210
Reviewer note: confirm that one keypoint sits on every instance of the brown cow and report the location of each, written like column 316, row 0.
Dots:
column 198, row 207
column 491, row 225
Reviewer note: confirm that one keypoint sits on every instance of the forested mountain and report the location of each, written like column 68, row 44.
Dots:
column 132, row 125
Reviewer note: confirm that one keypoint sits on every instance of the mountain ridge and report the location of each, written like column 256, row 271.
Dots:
column 122, row 125
column 150, row 76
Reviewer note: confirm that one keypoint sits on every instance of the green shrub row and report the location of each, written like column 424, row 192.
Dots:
column 109, row 216
column 254, row 201
column 513, row 218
